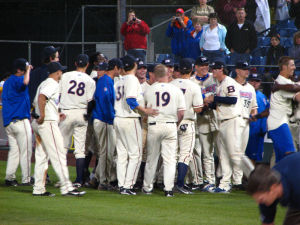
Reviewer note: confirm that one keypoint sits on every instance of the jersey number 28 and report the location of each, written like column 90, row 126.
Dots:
column 79, row 89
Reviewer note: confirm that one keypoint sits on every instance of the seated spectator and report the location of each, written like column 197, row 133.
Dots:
column 201, row 12
column 294, row 51
column 176, row 30
column 212, row 42
column 241, row 38
column 294, row 12
column 227, row 9
column 263, row 18
column 274, row 53
column 193, row 38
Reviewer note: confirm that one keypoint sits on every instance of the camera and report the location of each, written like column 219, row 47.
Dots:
column 177, row 18
column 133, row 19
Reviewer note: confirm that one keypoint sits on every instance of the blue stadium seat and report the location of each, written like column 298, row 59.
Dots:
column 258, row 61
column 161, row 57
column 283, row 33
column 228, row 60
column 288, row 43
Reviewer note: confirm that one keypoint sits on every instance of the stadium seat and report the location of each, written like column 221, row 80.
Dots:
column 288, row 42
column 263, row 41
column 258, row 61
column 161, row 57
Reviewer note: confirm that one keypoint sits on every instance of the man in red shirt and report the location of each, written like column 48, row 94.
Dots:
column 135, row 31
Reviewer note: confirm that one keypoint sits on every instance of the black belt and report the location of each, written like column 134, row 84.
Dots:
column 229, row 119
column 154, row 123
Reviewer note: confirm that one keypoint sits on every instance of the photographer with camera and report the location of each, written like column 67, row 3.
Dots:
column 135, row 31
column 176, row 30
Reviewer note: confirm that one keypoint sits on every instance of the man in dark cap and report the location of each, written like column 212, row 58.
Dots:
column 141, row 71
column 169, row 63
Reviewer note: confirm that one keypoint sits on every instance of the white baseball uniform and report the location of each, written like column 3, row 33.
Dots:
column 144, row 87
column 162, row 132
column 76, row 90
column 230, row 131
column 207, row 127
column 193, row 100
column 128, row 131
column 51, row 145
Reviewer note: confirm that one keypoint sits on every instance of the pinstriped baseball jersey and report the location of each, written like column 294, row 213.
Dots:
column 76, row 90
column 192, row 95
column 127, row 87
column 228, row 88
column 247, row 98
column 167, row 98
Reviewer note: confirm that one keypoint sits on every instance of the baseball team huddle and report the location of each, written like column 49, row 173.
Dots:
column 164, row 128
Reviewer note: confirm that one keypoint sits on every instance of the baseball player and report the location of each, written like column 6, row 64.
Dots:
column 280, row 109
column 229, row 137
column 169, row 63
column 104, row 115
column 16, row 115
column 258, row 124
column 76, row 90
column 129, row 100
column 50, row 143
column 141, row 71
column 207, row 126
column 162, row 132
column 186, row 132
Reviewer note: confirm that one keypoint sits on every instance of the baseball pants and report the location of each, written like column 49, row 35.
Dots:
column 90, row 141
column 129, row 150
column 20, row 149
column 195, row 166
column 230, row 142
column 51, row 147
column 74, row 125
column 186, row 141
column 161, row 139
column 106, row 142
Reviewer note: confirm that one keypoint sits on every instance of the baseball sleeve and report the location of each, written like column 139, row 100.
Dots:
column 91, row 91
column 180, row 101
column 197, row 100
column 48, row 89
column 130, row 87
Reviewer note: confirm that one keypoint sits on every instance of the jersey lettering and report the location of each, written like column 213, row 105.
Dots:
column 165, row 97
column 183, row 90
column 230, row 89
column 120, row 93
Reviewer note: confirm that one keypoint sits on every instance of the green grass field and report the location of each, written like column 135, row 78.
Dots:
column 18, row 206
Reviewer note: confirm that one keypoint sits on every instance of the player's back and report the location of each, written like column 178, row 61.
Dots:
column 167, row 98
column 76, row 90
column 192, row 96
column 247, row 98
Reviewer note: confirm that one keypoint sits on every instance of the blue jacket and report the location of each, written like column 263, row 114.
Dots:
column 178, row 36
column 222, row 31
column 192, row 47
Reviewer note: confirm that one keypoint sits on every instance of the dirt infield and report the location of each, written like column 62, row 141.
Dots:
column 70, row 158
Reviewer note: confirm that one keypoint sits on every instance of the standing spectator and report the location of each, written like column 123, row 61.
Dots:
column 16, row 116
column 201, row 12
column 241, row 38
column 212, row 42
column 282, row 10
column 295, row 12
column 193, row 38
column 135, row 31
column 227, row 9
column 38, row 75
column 294, row 51
column 250, row 9
column 263, row 20
column 176, row 30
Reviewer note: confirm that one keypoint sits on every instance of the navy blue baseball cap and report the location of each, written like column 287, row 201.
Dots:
column 217, row 65
column 242, row 65
column 141, row 64
column 255, row 77
column 49, row 50
column 168, row 62
column 202, row 60
column 82, row 60
column 128, row 62
column 150, row 67
column 101, row 66
column 20, row 64
column 55, row 66
column 185, row 64
column 115, row 62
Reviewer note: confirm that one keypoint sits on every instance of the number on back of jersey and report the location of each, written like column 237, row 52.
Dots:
column 76, row 89
column 162, row 99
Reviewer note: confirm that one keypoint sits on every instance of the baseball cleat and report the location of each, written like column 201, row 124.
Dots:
column 75, row 192
column 147, row 192
column 77, row 185
column 183, row 190
column 196, row 187
column 25, row 184
column 238, row 187
column 169, row 194
column 209, row 188
column 221, row 190
column 12, row 183
column 47, row 194
column 125, row 191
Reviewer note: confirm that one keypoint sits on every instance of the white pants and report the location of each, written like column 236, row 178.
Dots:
column 129, row 150
column 20, row 149
column 74, row 125
column 161, row 139
column 50, row 145
column 230, row 146
column 106, row 143
column 186, row 141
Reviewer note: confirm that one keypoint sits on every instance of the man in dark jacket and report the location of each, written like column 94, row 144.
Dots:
column 294, row 11
column 241, row 38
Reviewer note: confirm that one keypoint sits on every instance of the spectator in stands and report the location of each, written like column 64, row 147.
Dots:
column 212, row 42
column 135, row 31
column 282, row 10
column 193, row 38
column 263, row 18
column 294, row 51
column 227, row 9
column 201, row 12
column 294, row 12
column 95, row 59
column 176, row 30
column 250, row 9
column 241, row 38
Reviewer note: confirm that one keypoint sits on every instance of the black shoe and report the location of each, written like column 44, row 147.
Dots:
column 77, row 185
column 12, row 183
column 75, row 192
column 183, row 190
column 102, row 187
column 124, row 191
column 238, row 187
column 48, row 194
column 169, row 194
column 195, row 187
column 25, row 184
column 146, row 192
